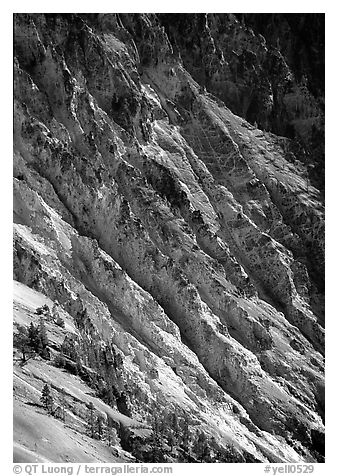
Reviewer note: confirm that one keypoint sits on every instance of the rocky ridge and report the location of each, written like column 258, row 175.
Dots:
column 171, row 230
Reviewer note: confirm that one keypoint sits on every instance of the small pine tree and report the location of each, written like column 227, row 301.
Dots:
column 206, row 455
column 111, row 431
column 90, row 424
column 47, row 398
column 156, row 440
column 33, row 335
column 55, row 310
column 111, row 436
column 22, row 342
column 175, row 425
column 63, row 404
column 78, row 366
column 60, row 361
column 171, row 429
column 171, row 439
column 185, row 435
column 99, row 423
column 200, row 447
column 68, row 348
column 43, row 339
column 43, row 332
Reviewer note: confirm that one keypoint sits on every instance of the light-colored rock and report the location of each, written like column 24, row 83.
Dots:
column 168, row 230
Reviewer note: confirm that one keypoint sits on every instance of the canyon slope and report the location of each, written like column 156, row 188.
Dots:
column 168, row 200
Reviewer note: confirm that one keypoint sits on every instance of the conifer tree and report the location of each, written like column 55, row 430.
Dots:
column 47, row 398
column 109, row 435
column 55, row 311
column 175, row 425
column 156, row 440
column 185, row 435
column 201, row 447
column 99, row 425
column 111, row 432
column 171, row 429
column 63, row 404
column 33, row 335
column 43, row 332
column 91, row 426
column 22, row 342
column 43, row 339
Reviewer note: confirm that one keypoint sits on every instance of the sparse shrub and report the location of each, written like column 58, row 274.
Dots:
column 122, row 403
column 43, row 311
column 69, row 348
column 60, row 361
column 71, row 367
column 60, row 322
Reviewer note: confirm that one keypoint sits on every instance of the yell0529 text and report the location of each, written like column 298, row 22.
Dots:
column 289, row 469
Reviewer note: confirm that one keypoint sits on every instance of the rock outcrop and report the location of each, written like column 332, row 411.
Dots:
column 185, row 245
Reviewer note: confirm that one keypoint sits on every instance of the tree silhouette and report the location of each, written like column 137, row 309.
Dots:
column 91, row 426
column 47, row 398
column 171, row 429
column 201, row 447
column 110, row 435
column 43, row 339
column 21, row 341
column 156, row 440
column 185, row 435
column 99, row 421
column 43, row 332
column 43, row 310
column 111, row 431
column 63, row 404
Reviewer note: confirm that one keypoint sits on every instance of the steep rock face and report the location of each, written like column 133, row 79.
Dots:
column 267, row 68
column 170, row 229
